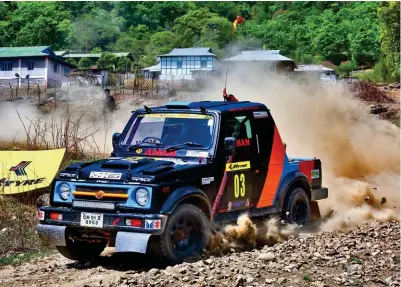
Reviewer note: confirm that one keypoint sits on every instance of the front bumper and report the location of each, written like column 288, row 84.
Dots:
column 127, row 238
column 318, row 194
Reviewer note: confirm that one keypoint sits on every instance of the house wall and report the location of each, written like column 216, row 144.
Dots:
column 60, row 75
column 39, row 65
column 178, row 68
column 15, row 67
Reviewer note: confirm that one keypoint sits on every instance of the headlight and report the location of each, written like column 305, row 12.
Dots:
column 64, row 191
column 142, row 196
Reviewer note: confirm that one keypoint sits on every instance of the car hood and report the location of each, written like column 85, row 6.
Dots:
column 134, row 169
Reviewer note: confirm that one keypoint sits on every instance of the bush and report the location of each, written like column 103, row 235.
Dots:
column 346, row 68
column 379, row 74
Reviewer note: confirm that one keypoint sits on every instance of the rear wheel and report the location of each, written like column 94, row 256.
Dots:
column 296, row 207
column 81, row 251
column 186, row 233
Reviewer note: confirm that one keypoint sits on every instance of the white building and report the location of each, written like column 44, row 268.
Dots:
column 40, row 64
column 319, row 71
column 187, row 64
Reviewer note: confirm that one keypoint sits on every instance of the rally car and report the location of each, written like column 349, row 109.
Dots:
column 176, row 170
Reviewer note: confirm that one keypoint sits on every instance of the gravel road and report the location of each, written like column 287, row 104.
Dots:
column 365, row 256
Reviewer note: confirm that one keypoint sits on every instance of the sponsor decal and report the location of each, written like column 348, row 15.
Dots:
column 141, row 179
column 153, row 224
column 139, row 150
column 159, row 152
column 105, row 175
column 41, row 215
column 243, row 142
column 238, row 165
column 229, row 206
column 19, row 169
column 69, row 175
column 207, row 180
column 102, row 181
column 315, row 173
column 260, row 115
column 244, row 109
column 195, row 153
column 176, row 116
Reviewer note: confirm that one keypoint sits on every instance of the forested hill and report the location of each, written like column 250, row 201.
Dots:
column 309, row 32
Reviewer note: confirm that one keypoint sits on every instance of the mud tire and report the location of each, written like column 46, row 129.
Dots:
column 81, row 251
column 186, row 216
column 297, row 205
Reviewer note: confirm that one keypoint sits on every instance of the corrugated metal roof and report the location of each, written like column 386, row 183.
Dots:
column 13, row 52
column 155, row 68
column 314, row 68
column 190, row 52
column 259, row 55
column 60, row 53
column 89, row 55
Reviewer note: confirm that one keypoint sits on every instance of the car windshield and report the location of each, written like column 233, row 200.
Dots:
column 192, row 131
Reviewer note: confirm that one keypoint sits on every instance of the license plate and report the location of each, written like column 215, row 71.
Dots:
column 92, row 220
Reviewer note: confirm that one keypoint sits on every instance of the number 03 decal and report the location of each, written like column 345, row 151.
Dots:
column 239, row 185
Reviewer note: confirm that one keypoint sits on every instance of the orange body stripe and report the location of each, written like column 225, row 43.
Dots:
column 274, row 172
column 306, row 168
column 111, row 195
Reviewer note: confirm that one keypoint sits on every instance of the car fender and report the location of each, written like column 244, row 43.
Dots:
column 295, row 177
column 187, row 194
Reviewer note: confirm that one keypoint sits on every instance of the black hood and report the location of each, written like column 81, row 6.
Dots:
column 135, row 169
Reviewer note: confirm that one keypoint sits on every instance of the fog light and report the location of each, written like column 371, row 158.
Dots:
column 133, row 222
column 56, row 216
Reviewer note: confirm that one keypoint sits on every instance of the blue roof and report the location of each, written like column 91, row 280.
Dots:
column 190, row 52
column 208, row 105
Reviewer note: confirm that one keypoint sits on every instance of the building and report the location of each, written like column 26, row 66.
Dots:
column 152, row 72
column 318, row 71
column 40, row 64
column 94, row 56
column 188, row 64
column 266, row 60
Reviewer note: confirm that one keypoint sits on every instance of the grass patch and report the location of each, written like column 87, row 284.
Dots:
column 19, row 258
column 355, row 260
column 306, row 277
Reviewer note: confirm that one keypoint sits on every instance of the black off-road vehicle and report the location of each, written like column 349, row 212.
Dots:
column 174, row 170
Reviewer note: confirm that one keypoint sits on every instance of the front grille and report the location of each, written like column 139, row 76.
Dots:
column 105, row 189
column 108, row 193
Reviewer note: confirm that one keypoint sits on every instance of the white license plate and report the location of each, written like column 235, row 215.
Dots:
column 92, row 219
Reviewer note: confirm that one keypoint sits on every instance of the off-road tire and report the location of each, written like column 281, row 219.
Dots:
column 296, row 208
column 81, row 251
column 164, row 246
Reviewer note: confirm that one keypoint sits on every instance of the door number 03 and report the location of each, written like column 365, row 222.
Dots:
column 239, row 185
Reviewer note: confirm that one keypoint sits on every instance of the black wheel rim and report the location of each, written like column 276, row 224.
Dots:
column 299, row 211
column 185, row 235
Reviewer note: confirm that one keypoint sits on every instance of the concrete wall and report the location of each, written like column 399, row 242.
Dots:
column 15, row 68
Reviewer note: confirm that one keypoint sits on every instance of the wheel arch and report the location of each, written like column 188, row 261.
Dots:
column 189, row 195
column 291, row 181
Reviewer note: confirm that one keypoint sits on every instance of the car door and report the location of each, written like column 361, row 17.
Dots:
column 238, row 192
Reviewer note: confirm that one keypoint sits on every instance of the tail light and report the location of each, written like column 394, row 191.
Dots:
column 56, row 216
column 133, row 222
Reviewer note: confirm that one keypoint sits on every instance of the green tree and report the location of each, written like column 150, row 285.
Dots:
column 389, row 14
column 346, row 68
column 84, row 63
column 107, row 61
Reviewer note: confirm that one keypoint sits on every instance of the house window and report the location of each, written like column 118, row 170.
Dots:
column 179, row 64
column 31, row 66
column 55, row 66
column 203, row 63
column 6, row 66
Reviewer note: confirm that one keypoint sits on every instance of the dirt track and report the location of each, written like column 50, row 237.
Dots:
column 366, row 256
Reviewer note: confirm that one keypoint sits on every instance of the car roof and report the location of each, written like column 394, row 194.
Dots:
column 220, row 106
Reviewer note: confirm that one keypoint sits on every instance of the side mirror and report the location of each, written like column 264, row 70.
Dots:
column 229, row 144
column 116, row 137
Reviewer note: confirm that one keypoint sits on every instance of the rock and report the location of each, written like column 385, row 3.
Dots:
column 269, row 256
column 3, row 230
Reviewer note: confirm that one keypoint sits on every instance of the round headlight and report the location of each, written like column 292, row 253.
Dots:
column 142, row 196
column 64, row 191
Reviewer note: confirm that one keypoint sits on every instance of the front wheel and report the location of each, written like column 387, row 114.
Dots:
column 296, row 207
column 186, row 233
column 81, row 251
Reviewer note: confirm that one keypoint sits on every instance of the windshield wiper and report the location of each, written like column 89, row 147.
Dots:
column 140, row 144
column 182, row 145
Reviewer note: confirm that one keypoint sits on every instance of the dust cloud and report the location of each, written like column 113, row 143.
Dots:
column 360, row 154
